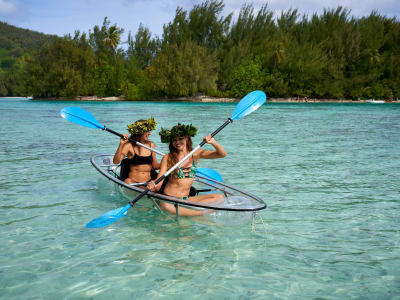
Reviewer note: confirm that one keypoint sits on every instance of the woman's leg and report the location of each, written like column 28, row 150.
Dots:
column 207, row 198
column 182, row 211
column 129, row 181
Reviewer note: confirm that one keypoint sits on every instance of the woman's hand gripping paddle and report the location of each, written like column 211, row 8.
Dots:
column 247, row 105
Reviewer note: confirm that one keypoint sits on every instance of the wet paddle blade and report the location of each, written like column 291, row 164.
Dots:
column 81, row 117
column 209, row 173
column 109, row 217
column 248, row 104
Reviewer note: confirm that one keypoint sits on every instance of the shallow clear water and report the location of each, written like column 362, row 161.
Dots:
column 328, row 172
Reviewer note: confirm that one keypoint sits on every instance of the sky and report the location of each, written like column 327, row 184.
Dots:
column 62, row 17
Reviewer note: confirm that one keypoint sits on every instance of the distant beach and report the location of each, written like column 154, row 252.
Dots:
column 16, row 98
column 217, row 100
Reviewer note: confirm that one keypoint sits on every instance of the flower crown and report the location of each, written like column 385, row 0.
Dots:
column 178, row 130
column 142, row 126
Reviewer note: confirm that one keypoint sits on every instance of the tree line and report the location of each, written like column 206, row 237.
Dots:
column 326, row 55
column 14, row 43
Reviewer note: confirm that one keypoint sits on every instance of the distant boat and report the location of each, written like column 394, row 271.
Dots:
column 375, row 101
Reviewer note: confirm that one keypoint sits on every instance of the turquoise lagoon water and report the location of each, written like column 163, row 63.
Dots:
column 328, row 172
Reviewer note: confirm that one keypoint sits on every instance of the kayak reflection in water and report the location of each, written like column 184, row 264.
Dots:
column 180, row 180
column 138, row 164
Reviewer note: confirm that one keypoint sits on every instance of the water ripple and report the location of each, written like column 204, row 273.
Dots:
column 327, row 172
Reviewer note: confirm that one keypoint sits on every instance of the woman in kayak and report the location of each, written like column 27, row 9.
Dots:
column 180, row 180
column 140, row 163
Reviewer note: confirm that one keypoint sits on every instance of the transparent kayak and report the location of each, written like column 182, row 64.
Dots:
column 234, row 199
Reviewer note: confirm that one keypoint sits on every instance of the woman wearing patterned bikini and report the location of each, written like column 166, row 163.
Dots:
column 139, row 162
column 181, row 179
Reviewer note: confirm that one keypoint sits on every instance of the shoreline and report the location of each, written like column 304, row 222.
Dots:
column 207, row 99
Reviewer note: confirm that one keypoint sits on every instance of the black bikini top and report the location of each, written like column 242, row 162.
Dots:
column 140, row 160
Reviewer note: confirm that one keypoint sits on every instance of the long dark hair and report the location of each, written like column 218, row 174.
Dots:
column 173, row 152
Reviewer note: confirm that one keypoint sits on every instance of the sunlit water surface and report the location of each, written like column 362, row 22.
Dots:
column 328, row 172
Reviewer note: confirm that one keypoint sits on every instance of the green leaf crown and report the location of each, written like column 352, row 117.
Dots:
column 140, row 127
column 178, row 130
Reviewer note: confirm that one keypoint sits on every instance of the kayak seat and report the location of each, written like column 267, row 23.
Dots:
column 124, row 169
column 193, row 191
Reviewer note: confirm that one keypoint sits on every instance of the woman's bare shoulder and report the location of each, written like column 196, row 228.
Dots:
column 128, row 147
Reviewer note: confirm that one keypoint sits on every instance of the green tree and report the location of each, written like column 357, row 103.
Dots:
column 60, row 69
column 113, row 37
column 143, row 48
column 246, row 78
column 183, row 70
column 177, row 32
column 205, row 25
column 3, row 88
column 109, row 66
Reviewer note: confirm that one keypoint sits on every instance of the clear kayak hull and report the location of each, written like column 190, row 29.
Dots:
column 234, row 199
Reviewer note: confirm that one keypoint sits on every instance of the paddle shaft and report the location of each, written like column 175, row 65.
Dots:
column 181, row 161
column 133, row 141
column 217, row 130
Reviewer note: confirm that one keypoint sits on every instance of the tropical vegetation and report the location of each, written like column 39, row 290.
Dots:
column 327, row 55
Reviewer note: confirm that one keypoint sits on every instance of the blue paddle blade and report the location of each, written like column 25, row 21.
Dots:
column 109, row 217
column 209, row 173
column 248, row 104
column 80, row 116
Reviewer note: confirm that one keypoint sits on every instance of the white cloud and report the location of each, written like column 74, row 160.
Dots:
column 7, row 7
column 14, row 12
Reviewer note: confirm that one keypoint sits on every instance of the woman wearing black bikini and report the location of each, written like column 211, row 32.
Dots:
column 139, row 162
column 181, row 179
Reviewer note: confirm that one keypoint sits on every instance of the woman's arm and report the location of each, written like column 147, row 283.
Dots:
column 163, row 169
column 122, row 150
column 219, row 151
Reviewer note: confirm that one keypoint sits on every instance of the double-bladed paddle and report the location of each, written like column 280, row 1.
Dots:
column 247, row 105
column 82, row 117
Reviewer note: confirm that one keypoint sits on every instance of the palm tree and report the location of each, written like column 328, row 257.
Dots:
column 113, row 37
